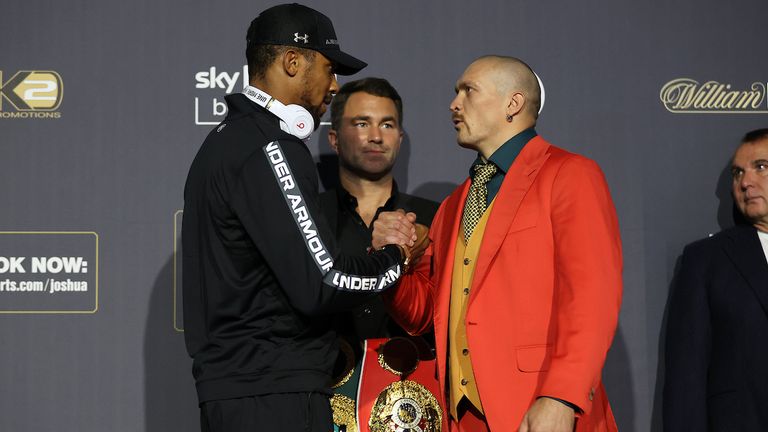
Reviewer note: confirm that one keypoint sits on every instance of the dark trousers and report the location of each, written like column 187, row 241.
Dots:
column 289, row 412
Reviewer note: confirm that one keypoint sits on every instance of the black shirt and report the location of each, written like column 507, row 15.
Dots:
column 370, row 320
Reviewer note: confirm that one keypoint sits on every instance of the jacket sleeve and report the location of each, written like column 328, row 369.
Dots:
column 588, row 284
column 687, row 348
column 411, row 303
column 276, row 199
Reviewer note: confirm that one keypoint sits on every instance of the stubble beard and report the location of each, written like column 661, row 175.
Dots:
column 357, row 168
column 306, row 98
column 464, row 139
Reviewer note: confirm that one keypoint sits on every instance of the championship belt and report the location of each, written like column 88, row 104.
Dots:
column 396, row 389
column 346, row 377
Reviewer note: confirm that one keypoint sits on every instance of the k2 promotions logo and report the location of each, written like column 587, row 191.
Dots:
column 688, row 96
column 31, row 94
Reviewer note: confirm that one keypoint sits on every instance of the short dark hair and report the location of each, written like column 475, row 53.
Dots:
column 374, row 86
column 755, row 135
column 260, row 57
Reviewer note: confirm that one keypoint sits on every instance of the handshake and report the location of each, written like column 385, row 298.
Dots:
column 400, row 228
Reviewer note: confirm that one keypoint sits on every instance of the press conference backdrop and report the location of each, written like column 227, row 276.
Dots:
column 104, row 104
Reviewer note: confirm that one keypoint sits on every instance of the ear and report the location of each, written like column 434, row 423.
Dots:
column 515, row 103
column 333, row 140
column 291, row 61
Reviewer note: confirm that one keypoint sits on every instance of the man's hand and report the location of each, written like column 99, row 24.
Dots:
column 395, row 227
column 548, row 415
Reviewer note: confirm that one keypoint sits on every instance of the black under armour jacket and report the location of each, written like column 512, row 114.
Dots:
column 260, row 266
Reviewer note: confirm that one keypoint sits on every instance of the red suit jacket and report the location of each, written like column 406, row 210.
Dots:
column 546, row 293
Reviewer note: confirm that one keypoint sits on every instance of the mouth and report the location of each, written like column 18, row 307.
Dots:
column 457, row 122
column 324, row 104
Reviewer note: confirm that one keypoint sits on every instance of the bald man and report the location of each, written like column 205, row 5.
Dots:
column 522, row 282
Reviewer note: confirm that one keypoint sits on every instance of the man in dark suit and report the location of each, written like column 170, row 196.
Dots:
column 717, row 334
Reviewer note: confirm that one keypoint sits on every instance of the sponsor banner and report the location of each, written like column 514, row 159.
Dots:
column 689, row 96
column 49, row 272
column 211, row 85
column 30, row 94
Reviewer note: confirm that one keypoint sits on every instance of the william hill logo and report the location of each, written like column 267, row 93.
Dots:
column 31, row 94
column 685, row 95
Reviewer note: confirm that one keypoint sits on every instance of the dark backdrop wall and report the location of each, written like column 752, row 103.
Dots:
column 104, row 105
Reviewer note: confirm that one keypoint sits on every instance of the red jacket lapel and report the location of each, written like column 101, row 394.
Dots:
column 517, row 182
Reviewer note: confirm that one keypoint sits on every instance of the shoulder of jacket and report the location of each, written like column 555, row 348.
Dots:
column 714, row 241
column 562, row 156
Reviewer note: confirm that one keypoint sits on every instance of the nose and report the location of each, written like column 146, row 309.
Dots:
column 334, row 88
column 748, row 178
column 374, row 135
column 455, row 104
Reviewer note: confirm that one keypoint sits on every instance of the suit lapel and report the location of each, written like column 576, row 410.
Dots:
column 445, row 238
column 746, row 253
column 517, row 182
column 454, row 206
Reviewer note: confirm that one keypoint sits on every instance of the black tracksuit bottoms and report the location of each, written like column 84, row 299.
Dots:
column 279, row 412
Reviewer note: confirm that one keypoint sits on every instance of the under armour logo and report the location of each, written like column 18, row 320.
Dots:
column 304, row 38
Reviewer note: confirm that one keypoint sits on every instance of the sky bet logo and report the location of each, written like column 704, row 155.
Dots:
column 30, row 94
column 210, row 110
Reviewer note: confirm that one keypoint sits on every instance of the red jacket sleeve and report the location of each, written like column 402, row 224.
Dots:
column 411, row 302
column 588, row 267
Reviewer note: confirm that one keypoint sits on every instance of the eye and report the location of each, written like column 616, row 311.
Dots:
column 761, row 168
column 360, row 124
column 388, row 126
column 736, row 172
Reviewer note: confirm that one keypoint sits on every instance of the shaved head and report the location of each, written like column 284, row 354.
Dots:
column 512, row 75
column 497, row 97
